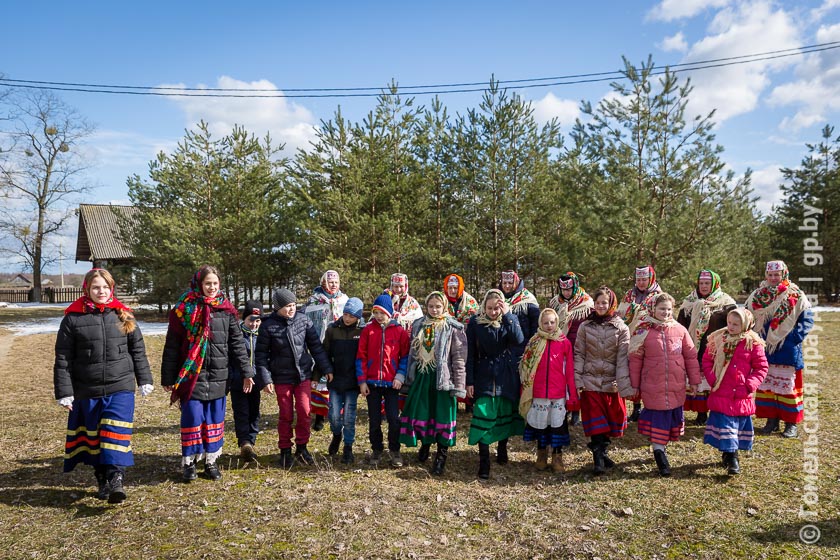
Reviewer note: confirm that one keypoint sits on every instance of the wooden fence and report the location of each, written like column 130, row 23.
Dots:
column 48, row 295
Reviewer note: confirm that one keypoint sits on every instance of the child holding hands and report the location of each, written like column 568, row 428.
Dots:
column 734, row 365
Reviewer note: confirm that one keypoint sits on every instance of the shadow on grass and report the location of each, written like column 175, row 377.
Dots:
column 801, row 532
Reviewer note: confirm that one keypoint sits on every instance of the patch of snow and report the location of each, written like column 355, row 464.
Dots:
column 50, row 326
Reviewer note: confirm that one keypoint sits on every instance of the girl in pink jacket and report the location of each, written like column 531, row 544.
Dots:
column 662, row 354
column 547, row 372
column 734, row 365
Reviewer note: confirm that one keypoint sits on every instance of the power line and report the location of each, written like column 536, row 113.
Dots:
column 161, row 91
column 794, row 50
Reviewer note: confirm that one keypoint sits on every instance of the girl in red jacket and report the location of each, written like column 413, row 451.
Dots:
column 662, row 354
column 734, row 365
column 547, row 372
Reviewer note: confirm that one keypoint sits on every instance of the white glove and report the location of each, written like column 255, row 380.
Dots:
column 65, row 401
column 146, row 390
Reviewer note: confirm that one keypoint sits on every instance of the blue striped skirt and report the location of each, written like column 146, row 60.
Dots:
column 99, row 431
column 729, row 433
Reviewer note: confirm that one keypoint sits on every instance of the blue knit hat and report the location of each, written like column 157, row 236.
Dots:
column 383, row 303
column 354, row 307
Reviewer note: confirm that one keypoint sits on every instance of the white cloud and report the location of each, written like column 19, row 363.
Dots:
column 550, row 106
column 817, row 89
column 766, row 182
column 818, row 13
column 674, row 43
column 748, row 27
column 287, row 121
column 670, row 10
column 126, row 149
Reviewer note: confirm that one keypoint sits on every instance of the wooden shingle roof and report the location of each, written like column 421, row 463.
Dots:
column 99, row 238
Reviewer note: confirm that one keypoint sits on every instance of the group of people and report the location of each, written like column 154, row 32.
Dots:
column 524, row 371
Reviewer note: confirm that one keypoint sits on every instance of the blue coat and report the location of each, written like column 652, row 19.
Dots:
column 789, row 353
column 492, row 367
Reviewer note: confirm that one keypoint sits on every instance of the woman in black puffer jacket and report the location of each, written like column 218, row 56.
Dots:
column 203, row 339
column 99, row 360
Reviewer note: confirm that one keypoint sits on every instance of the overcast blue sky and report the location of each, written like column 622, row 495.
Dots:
column 766, row 111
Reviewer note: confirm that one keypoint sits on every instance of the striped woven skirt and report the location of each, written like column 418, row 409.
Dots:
column 603, row 413
column 429, row 415
column 546, row 423
column 99, row 431
column 495, row 419
column 729, row 433
column 319, row 402
column 780, row 395
column 202, row 429
column 662, row 426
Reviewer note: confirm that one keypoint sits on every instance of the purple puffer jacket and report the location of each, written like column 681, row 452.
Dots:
column 742, row 377
column 660, row 366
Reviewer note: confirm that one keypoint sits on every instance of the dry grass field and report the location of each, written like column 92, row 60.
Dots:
column 332, row 511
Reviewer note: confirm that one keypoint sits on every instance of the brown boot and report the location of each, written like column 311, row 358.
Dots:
column 542, row 459
column 557, row 460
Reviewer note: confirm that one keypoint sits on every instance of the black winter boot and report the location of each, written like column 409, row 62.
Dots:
column 286, row 459
column 440, row 460
column 211, row 471
column 423, row 453
column 771, row 426
column 347, row 457
column 701, row 419
column 190, row 472
column 724, row 459
column 483, row 461
column 102, row 483
column 318, row 424
column 734, row 466
column 598, row 457
column 662, row 462
column 634, row 416
column 605, row 443
column 303, row 456
column 502, row 452
column 334, row 443
column 117, row 494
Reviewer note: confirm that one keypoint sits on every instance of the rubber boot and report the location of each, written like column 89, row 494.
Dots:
column 598, row 458
column 542, row 459
column 502, row 452
column 483, row 461
column 605, row 443
column 724, row 459
column 734, row 466
column 440, row 460
column 662, row 462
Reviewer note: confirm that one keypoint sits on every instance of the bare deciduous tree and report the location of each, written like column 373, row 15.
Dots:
column 41, row 172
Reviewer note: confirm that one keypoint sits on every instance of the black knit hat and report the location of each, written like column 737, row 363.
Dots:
column 282, row 297
column 252, row 307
